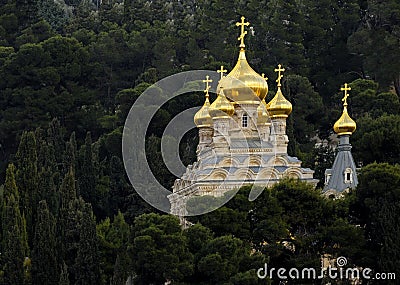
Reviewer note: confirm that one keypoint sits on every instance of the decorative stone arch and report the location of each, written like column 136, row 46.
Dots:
column 219, row 174
column 244, row 174
column 229, row 162
column 270, row 173
column 279, row 161
column 292, row 173
column 253, row 161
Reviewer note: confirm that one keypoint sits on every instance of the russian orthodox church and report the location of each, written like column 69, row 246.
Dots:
column 242, row 138
column 343, row 174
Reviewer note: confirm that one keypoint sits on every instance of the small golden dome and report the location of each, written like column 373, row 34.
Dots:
column 262, row 115
column 202, row 117
column 243, row 84
column 345, row 125
column 279, row 106
column 221, row 107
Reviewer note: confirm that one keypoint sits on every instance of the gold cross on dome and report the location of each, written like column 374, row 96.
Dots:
column 242, row 31
column 206, row 81
column 222, row 70
column 345, row 89
column 279, row 70
column 263, row 76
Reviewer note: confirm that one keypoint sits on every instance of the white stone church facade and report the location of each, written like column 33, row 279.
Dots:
column 242, row 139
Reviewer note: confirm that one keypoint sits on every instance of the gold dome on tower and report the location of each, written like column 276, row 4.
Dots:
column 221, row 107
column 202, row 118
column 345, row 125
column 279, row 106
column 243, row 84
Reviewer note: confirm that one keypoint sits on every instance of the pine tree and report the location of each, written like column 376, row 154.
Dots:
column 377, row 42
column 285, row 38
column 44, row 263
column 27, row 12
column 27, row 179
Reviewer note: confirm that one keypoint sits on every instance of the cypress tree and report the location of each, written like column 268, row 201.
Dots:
column 10, row 185
column 64, row 278
column 11, row 193
column 87, row 176
column 69, row 236
column 55, row 138
column 44, row 264
column 118, row 277
column 45, row 153
column 70, row 157
column 48, row 190
column 14, row 240
column 87, row 260
column 67, row 232
column 68, row 189
column 27, row 178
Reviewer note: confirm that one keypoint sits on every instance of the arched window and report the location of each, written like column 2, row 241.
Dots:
column 245, row 119
column 348, row 177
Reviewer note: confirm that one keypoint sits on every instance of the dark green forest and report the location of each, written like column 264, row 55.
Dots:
column 70, row 71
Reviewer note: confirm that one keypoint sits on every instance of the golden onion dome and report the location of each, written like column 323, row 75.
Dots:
column 279, row 106
column 345, row 125
column 221, row 107
column 202, row 117
column 243, row 84
column 262, row 115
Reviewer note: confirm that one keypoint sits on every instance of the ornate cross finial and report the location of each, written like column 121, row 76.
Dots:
column 222, row 70
column 345, row 89
column 263, row 76
column 242, row 31
column 279, row 70
column 206, row 81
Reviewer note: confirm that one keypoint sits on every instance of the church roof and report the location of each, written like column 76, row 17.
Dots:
column 249, row 143
column 343, row 166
